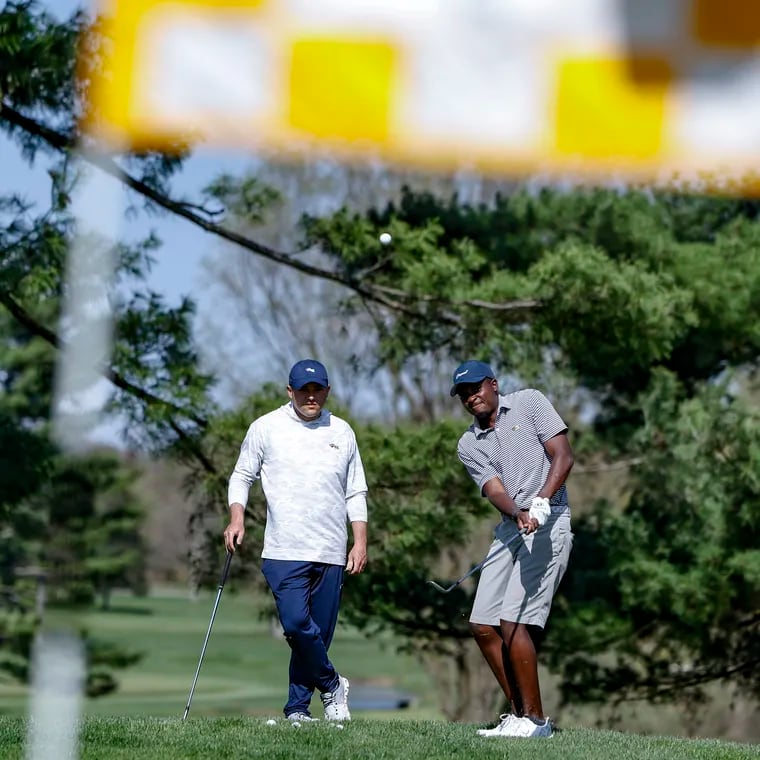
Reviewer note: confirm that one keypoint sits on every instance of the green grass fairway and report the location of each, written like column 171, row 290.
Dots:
column 362, row 739
column 243, row 683
column 245, row 669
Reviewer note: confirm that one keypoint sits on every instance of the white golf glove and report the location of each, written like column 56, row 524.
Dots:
column 540, row 509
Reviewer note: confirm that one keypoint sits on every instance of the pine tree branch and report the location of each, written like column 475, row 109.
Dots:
column 392, row 298
column 195, row 450
column 188, row 442
column 23, row 317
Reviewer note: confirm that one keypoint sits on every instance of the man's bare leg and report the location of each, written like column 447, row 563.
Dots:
column 491, row 645
column 521, row 652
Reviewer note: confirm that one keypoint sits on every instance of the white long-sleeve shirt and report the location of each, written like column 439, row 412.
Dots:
column 313, row 481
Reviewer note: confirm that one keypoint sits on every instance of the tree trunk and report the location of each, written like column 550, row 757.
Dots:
column 105, row 596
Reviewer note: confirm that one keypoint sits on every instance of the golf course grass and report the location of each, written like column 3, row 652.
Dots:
column 242, row 686
column 361, row 739
column 245, row 668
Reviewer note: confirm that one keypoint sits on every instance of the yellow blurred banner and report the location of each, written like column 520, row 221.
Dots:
column 594, row 89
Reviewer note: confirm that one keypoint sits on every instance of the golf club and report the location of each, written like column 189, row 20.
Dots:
column 438, row 587
column 219, row 590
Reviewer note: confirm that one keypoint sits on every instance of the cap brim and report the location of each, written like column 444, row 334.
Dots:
column 453, row 390
column 306, row 382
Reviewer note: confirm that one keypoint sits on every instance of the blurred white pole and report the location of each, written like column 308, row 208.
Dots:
column 86, row 319
column 58, row 673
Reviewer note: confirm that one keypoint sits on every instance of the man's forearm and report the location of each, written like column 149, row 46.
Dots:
column 558, row 472
column 237, row 512
column 359, row 531
column 496, row 493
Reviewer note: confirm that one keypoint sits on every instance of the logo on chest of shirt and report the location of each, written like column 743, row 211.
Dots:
column 334, row 446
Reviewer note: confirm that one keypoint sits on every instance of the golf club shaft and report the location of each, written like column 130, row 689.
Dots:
column 483, row 562
column 219, row 590
column 480, row 564
column 487, row 558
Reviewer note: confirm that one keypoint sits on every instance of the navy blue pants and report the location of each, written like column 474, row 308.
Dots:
column 307, row 595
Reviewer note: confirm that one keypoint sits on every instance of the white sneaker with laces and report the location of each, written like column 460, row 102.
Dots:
column 527, row 728
column 301, row 717
column 504, row 727
column 336, row 702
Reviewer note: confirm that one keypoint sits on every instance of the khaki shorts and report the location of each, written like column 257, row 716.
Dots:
column 518, row 584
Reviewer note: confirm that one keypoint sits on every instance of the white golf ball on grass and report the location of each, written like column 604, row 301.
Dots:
column 271, row 722
column 385, row 238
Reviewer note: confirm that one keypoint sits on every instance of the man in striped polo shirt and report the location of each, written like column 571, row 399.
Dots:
column 518, row 454
column 313, row 480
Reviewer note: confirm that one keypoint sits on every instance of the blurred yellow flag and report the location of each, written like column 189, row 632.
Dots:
column 633, row 90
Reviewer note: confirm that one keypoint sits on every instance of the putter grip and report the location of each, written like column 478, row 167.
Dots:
column 225, row 570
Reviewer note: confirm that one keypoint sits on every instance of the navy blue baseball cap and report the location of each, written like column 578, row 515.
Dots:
column 470, row 372
column 307, row 371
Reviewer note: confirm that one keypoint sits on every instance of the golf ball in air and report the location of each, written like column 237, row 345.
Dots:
column 385, row 238
column 271, row 722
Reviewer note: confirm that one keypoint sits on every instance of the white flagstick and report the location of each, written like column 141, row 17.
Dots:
column 86, row 320
column 58, row 674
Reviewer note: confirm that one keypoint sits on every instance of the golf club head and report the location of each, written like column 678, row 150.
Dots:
column 438, row 587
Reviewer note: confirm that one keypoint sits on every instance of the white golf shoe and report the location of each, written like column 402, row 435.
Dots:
column 527, row 728
column 297, row 718
column 503, row 729
column 336, row 702
column 513, row 727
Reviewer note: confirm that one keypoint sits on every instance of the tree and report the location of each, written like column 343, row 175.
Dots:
column 612, row 293
column 92, row 540
column 152, row 345
column 664, row 598
column 307, row 315
column 642, row 301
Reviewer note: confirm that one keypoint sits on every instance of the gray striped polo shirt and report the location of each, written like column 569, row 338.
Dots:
column 513, row 449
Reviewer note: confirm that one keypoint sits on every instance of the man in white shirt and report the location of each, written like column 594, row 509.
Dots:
column 313, row 481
